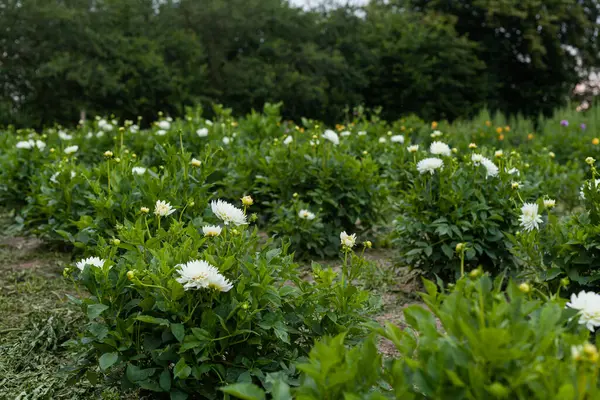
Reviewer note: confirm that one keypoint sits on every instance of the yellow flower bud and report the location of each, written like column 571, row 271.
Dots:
column 145, row 210
column 472, row 146
column 368, row 244
column 525, row 287
column 247, row 201
column 130, row 275
column 195, row 162
column 117, row 160
column 590, row 160
column 476, row 273
column 595, row 141
column 116, row 242
column 460, row 247
column 108, row 154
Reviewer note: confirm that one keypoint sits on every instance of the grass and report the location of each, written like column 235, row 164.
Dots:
column 37, row 323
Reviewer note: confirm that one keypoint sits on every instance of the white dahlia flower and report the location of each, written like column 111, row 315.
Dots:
column 429, row 165
column 305, row 214
column 588, row 305
column 211, row 230
column 228, row 213
column 198, row 274
column 162, row 208
column 93, row 261
column 530, row 219
column 331, row 136
column 440, row 148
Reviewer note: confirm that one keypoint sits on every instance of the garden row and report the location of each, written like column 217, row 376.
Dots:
column 186, row 296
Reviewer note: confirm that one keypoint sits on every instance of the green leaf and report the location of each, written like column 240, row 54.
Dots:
column 165, row 380
column 244, row 391
column 181, row 370
column 281, row 391
column 107, row 360
column 177, row 395
column 94, row 310
column 136, row 374
column 152, row 320
column 178, row 331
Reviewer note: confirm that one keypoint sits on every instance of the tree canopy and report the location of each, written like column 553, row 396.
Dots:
column 434, row 58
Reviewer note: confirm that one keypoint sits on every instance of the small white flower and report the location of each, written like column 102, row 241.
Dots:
column 345, row 133
column 477, row 158
column 40, row 145
column 71, row 149
column 331, row 136
column 436, row 134
column 208, row 122
column 64, row 135
column 588, row 304
column 348, row 240
column 413, row 149
column 227, row 212
column 305, row 214
column 440, row 148
column 397, row 139
column 93, row 261
column 99, row 134
column 549, row 203
column 530, row 219
column 211, row 230
column 162, row 208
column 198, row 274
column 54, row 176
column 362, row 133
column 25, row 144
column 513, row 171
column 166, row 125
column 134, row 129
column 138, row 170
column 314, row 142
column 515, row 185
column 429, row 165
column 498, row 153
column 382, row 139
column 106, row 127
column 226, row 140
column 161, row 132
column 490, row 167
column 202, row 132
column 288, row 140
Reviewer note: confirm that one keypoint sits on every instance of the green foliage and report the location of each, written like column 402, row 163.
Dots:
column 480, row 339
column 147, row 329
column 568, row 247
column 459, row 203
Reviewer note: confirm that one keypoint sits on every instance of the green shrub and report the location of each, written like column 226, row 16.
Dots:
column 153, row 330
column 479, row 341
